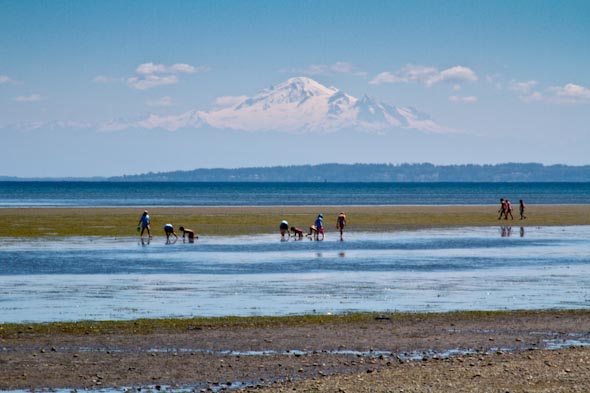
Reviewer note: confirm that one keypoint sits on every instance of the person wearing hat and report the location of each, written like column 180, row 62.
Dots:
column 144, row 221
column 317, row 228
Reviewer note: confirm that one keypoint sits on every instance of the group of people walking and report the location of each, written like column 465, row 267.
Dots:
column 506, row 209
column 316, row 230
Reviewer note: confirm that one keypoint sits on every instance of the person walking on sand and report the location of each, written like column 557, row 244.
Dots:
column 169, row 230
column 502, row 210
column 509, row 209
column 340, row 223
column 521, row 208
column 144, row 221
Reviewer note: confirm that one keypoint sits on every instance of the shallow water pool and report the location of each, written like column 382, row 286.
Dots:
column 428, row 270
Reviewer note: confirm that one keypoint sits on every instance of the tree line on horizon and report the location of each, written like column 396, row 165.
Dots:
column 423, row 172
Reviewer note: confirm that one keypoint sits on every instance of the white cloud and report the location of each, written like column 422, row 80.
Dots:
column 149, row 75
column 31, row 98
column 426, row 75
column 571, row 92
column 150, row 81
column 522, row 87
column 526, row 90
column 112, row 126
column 455, row 74
column 532, row 97
column 340, row 67
column 4, row 79
column 187, row 69
column 408, row 74
column 162, row 102
column 229, row 101
column 178, row 68
column 150, row 68
column 383, row 77
column 465, row 99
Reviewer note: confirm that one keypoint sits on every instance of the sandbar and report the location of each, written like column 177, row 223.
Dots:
column 214, row 221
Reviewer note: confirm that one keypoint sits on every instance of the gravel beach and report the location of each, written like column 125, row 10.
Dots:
column 449, row 352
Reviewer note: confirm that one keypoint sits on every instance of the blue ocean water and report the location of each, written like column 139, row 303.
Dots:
column 91, row 194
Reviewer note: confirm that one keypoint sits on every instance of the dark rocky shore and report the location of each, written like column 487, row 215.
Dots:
column 371, row 353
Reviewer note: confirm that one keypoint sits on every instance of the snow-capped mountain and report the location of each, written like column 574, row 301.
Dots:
column 298, row 105
column 303, row 105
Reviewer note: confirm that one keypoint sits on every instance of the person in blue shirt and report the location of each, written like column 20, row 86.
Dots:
column 317, row 228
column 144, row 221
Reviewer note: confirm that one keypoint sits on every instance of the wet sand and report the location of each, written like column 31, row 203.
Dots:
column 453, row 352
column 207, row 221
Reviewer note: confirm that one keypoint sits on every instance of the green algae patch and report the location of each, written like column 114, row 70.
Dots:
column 231, row 221
column 178, row 325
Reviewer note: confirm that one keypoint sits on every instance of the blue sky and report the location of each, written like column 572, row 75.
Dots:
column 510, row 78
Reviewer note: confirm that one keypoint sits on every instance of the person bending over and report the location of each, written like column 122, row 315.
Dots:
column 169, row 230
column 284, row 228
column 188, row 233
column 297, row 233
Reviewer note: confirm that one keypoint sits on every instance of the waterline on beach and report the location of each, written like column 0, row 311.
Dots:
column 65, row 279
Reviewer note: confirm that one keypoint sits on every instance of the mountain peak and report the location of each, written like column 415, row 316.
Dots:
column 304, row 84
column 300, row 104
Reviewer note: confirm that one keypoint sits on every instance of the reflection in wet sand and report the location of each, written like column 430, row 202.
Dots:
column 427, row 270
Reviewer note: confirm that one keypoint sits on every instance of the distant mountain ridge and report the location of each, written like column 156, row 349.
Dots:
column 509, row 172
column 297, row 105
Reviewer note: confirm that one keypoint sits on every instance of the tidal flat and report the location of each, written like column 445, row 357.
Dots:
column 472, row 351
column 228, row 221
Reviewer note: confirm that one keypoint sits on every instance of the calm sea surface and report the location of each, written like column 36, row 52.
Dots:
column 89, row 194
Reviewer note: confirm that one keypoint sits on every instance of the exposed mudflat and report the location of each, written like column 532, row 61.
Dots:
column 512, row 351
